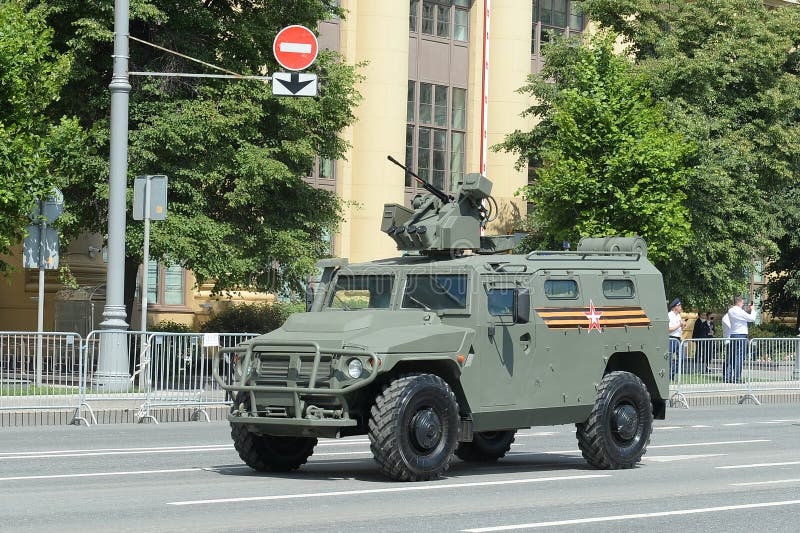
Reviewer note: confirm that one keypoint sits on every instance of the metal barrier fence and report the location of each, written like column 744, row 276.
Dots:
column 41, row 371
column 748, row 367
column 180, row 370
column 60, row 371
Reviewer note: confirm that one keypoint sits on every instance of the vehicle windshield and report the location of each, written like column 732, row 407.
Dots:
column 435, row 292
column 362, row 292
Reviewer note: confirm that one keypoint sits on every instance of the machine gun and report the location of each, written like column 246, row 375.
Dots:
column 439, row 223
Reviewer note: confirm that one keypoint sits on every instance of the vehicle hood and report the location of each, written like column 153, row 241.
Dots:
column 375, row 331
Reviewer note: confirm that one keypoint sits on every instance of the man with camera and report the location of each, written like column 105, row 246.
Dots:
column 739, row 320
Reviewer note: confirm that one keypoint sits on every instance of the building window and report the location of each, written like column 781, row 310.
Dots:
column 555, row 17
column 436, row 17
column 166, row 284
column 435, row 135
column 323, row 174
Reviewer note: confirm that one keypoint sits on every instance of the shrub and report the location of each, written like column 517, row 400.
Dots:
column 252, row 318
column 769, row 330
column 170, row 326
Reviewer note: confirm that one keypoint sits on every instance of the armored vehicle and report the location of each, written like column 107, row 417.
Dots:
column 453, row 346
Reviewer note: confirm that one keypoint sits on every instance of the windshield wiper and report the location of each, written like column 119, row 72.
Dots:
column 344, row 305
column 418, row 302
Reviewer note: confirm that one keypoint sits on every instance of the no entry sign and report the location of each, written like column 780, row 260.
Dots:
column 295, row 47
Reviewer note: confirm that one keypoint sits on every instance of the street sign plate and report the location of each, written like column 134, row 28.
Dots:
column 51, row 208
column 295, row 47
column 294, row 84
column 30, row 248
column 158, row 197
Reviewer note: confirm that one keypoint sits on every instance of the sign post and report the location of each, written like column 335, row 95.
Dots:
column 295, row 48
column 149, row 203
column 42, row 244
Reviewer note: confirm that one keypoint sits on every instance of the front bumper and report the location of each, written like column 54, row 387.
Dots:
column 296, row 392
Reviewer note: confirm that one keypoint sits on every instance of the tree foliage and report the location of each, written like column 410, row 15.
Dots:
column 31, row 74
column 727, row 72
column 606, row 164
column 239, row 214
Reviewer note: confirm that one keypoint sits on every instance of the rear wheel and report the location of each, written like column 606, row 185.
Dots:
column 618, row 430
column 269, row 453
column 486, row 446
column 413, row 428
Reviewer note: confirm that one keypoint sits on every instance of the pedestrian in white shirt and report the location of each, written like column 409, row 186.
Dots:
column 739, row 320
column 676, row 325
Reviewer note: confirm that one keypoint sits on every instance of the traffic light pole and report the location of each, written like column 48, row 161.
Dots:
column 112, row 367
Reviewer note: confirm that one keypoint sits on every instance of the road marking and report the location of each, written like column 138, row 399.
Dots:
column 632, row 516
column 100, row 450
column 765, row 482
column 700, row 426
column 736, row 424
column 720, row 443
column 129, row 451
column 758, row 465
column 405, row 488
column 668, row 427
column 102, row 474
column 670, row 458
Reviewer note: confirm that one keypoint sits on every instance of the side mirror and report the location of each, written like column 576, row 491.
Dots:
column 522, row 306
column 309, row 297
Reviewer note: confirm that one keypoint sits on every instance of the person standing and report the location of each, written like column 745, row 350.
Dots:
column 739, row 320
column 701, row 330
column 676, row 325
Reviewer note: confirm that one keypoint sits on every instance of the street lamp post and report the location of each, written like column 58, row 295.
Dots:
column 112, row 367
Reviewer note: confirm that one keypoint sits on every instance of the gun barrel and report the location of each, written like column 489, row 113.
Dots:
column 441, row 195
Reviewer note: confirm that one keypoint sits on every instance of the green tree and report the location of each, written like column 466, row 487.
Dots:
column 605, row 162
column 239, row 213
column 727, row 72
column 31, row 74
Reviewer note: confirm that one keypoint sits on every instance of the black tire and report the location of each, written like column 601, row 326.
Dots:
column 618, row 430
column 269, row 453
column 486, row 446
column 413, row 428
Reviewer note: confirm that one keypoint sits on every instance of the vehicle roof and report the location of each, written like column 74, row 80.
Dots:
column 533, row 262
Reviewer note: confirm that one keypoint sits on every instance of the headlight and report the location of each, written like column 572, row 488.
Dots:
column 355, row 368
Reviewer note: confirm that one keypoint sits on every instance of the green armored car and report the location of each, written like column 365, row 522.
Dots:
column 452, row 347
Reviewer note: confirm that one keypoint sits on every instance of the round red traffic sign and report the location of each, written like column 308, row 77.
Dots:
column 295, row 47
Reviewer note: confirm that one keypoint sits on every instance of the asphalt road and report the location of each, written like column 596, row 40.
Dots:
column 723, row 469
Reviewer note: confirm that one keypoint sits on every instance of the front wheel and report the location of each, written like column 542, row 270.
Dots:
column 413, row 428
column 486, row 446
column 269, row 453
column 618, row 430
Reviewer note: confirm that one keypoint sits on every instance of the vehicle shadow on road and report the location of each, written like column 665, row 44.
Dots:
column 366, row 470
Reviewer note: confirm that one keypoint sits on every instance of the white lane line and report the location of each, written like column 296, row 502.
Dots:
column 405, row 488
column 533, row 525
column 126, row 452
column 720, row 443
column 102, row 474
column 700, row 426
column 758, row 465
column 670, row 458
column 98, row 450
column 765, row 482
column 736, row 424
column 539, row 434
column 668, row 427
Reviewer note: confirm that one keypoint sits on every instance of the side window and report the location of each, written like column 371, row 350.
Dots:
column 501, row 301
column 618, row 288
column 434, row 292
column 561, row 289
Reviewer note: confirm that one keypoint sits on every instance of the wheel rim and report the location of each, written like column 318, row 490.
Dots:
column 426, row 429
column 625, row 424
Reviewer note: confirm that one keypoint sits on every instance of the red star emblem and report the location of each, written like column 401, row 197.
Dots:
column 594, row 317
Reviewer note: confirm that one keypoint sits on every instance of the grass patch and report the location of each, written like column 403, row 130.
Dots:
column 33, row 390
